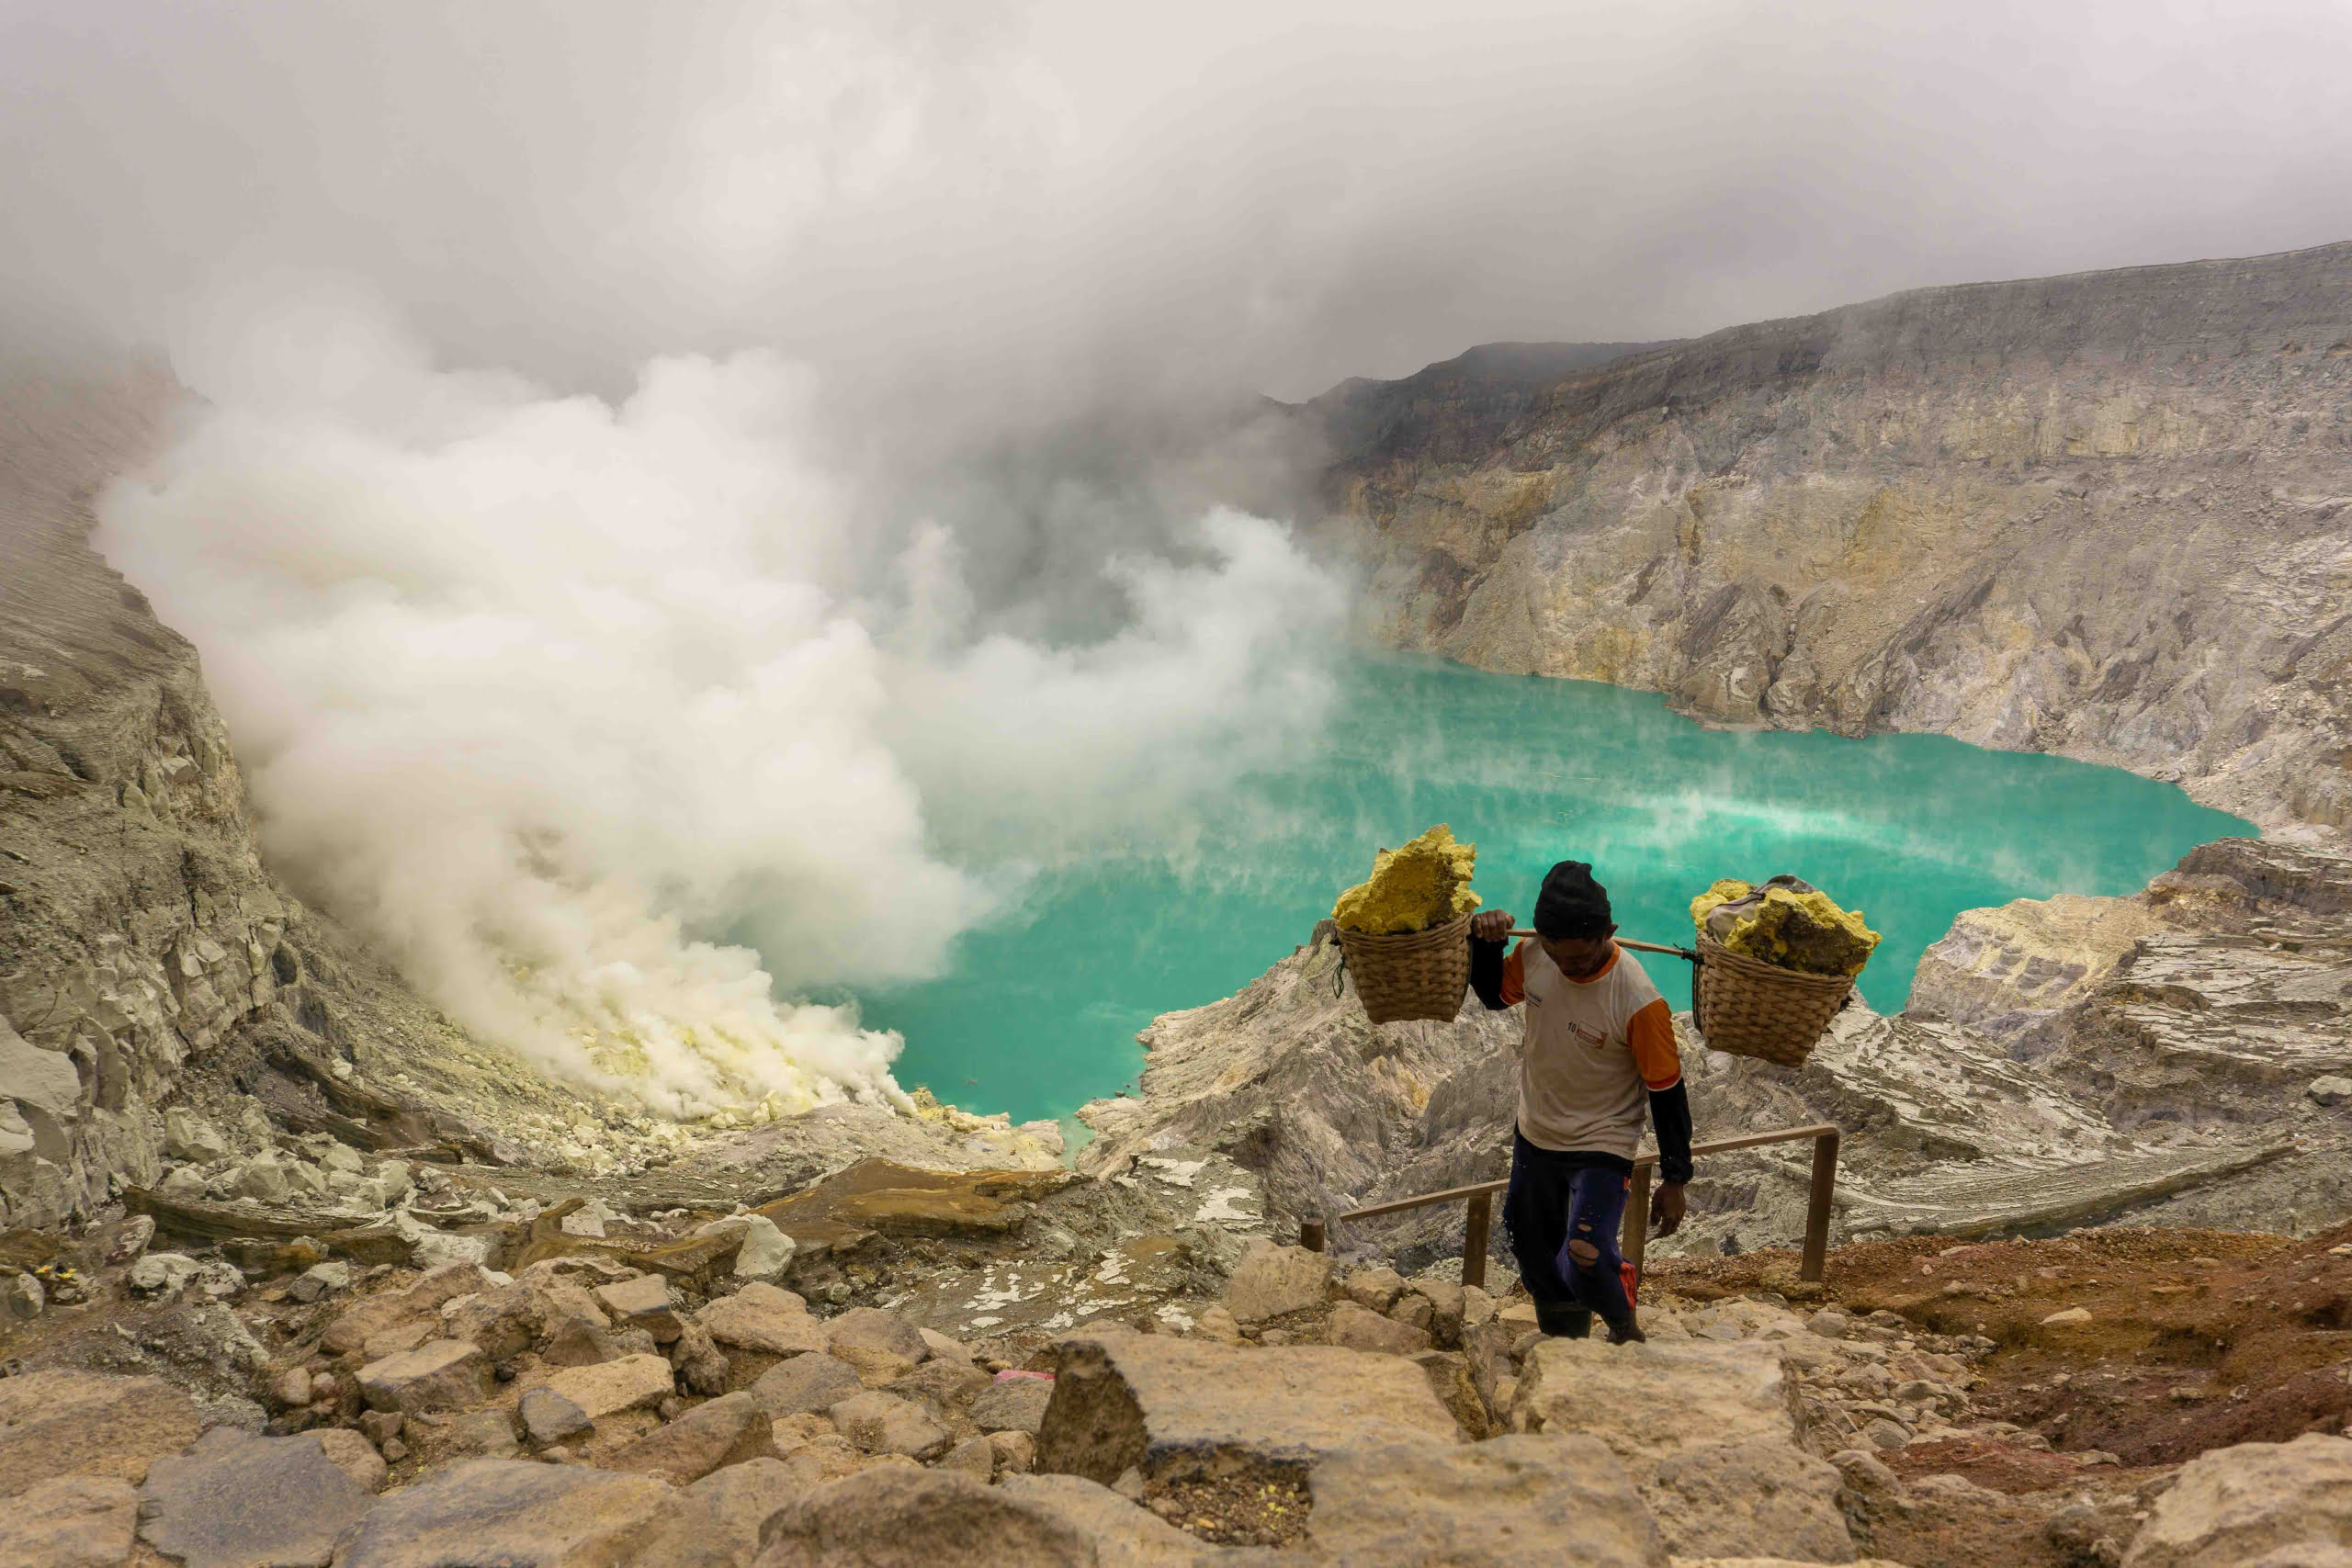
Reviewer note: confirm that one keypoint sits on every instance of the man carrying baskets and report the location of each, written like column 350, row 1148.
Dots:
column 1599, row 1048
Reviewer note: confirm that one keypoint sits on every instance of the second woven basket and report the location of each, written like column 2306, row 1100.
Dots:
column 1749, row 1007
column 1412, row 975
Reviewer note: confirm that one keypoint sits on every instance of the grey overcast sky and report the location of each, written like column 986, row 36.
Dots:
column 1027, row 206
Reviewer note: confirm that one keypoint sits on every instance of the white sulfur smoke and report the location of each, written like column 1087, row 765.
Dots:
column 540, row 691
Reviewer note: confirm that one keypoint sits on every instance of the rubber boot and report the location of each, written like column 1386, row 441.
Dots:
column 1563, row 1321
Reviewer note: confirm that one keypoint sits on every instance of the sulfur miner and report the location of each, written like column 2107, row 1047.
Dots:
column 1597, row 1058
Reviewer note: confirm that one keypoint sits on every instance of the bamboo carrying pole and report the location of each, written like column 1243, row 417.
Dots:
column 1689, row 953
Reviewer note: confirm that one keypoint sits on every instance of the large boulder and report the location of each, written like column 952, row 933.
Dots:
column 1737, row 1499
column 71, row 1521
column 1123, row 1535
column 903, row 1517
column 504, row 1321
column 2236, row 1505
column 1355, row 1328
column 550, row 1417
column 726, row 1431
column 1179, row 1407
column 765, row 1319
column 1272, row 1282
column 814, row 1381
column 1656, row 1399
column 443, row 1374
column 885, row 1424
column 352, row 1453
column 880, row 1344
column 1375, row 1288
column 233, row 1501
column 1504, row 1504
column 609, row 1387
column 641, row 1302
column 1013, row 1403
column 514, row 1513
column 416, row 1308
column 766, row 1251
column 715, row 1522
column 944, row 1388
column 62, row 1423
column 1708, row 1429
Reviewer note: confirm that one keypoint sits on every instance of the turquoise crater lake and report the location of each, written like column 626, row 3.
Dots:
column 1040, row 1012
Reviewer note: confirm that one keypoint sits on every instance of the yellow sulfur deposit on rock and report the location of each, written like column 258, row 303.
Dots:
column 1723, row 892
column 1425, row 884
column 1787, row 923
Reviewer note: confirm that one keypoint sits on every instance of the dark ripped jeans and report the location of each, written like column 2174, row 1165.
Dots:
column 1555, row 1199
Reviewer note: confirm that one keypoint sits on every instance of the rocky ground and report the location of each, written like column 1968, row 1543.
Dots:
column 892, row 1365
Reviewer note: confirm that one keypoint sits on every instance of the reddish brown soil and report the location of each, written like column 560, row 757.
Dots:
column 2197, row 1339
column 2004, row 1467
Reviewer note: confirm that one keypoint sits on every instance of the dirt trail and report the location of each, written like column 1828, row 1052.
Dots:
column 2194, row 1339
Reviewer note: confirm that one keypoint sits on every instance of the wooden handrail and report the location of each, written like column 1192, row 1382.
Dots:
column 1635, row 1236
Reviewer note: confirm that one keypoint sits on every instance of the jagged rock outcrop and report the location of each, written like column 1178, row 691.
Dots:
column 2104, row 515
column 2147, row 1060
column 2218, row 1024
column 136, row 927
column 1291, row 1081
column 2000, row 971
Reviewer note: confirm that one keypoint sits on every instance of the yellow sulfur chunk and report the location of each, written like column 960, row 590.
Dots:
column 1803, row 932
column 1425, row 884
column 1723, row 892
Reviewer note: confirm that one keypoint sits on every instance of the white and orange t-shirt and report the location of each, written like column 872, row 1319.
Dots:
column 1593, row 1052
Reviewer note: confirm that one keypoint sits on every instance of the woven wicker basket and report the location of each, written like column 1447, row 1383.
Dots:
column 1412, row 973
column 1753, row 1008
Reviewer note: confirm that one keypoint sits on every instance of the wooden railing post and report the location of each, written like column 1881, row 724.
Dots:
column 1817, row 1210
column 1633, row 1238
column 1310, row 1233
column 1473, row 1239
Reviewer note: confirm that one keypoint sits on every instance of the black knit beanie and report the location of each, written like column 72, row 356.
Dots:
column 1572, row 904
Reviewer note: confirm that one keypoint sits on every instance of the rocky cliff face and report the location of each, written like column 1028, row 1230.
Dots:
column 2105, row 515
column 136, row 927
column 1293, row 1082
column 2108, row 515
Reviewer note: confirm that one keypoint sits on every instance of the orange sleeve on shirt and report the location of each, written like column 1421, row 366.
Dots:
column 1651, row 1034
column 1515, row 975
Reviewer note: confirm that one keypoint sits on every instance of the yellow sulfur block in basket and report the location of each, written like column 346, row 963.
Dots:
column 1803, row 932
column 1424, row 884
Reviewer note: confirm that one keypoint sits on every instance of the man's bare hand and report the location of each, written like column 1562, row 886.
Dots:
column 1490, row 925
column 1667, row 1206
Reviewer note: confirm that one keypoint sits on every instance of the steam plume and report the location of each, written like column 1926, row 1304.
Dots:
column 536, row 688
